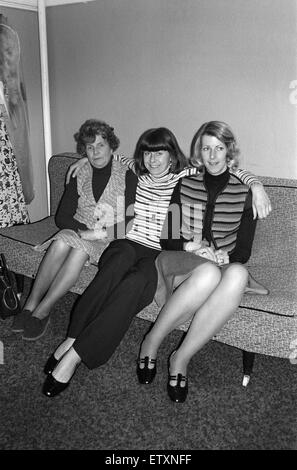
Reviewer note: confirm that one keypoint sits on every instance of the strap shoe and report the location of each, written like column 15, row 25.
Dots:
column 146, row 375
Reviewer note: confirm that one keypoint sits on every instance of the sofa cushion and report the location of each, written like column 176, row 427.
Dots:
column 18, row 243
column 276, row 236
column 280, row 282
column 33, row 233
column 274, row 256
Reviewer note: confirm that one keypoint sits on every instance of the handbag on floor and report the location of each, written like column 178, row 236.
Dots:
column 9, row 302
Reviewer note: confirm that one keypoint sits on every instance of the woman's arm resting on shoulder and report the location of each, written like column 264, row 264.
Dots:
column 261, row 202
column 129, row 162
column 74, row 168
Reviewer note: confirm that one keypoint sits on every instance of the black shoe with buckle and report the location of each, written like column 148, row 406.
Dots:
column 177, row 393
column 146, row 375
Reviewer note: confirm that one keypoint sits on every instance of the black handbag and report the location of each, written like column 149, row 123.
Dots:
column 9, row 301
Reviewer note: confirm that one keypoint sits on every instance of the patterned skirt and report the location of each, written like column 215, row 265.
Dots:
column 94, row 248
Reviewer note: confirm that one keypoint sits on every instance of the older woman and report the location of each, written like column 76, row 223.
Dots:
column 89, row 218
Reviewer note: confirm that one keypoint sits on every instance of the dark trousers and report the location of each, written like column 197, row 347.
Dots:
column 125, row 283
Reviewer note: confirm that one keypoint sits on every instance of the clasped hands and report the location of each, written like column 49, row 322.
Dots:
column 220, row 257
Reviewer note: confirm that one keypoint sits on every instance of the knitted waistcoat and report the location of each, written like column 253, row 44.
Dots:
column 110, row 209
column 227, row 211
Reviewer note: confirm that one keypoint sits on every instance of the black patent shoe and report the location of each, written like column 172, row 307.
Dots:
column 53, row 387
column 177, row 393
column 146, row 375
column 50, row 364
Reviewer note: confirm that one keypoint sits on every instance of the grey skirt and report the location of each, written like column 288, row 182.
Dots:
column 170, row 266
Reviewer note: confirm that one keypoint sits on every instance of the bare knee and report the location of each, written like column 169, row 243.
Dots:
column 77, row 254
column 237, row 273
column 59, row 246
column 208, row 273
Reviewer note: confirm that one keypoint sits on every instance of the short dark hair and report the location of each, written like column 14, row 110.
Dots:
column 156, row 139
column 222, row 132
column 89, row 130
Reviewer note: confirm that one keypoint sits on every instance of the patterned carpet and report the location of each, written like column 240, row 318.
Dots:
column 107, row 409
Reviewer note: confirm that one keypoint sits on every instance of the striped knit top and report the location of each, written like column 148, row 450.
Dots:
column 153, row 195
column 217, row 218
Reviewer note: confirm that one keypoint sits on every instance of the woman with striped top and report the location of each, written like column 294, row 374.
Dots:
column 127, row 277
column 203, row 282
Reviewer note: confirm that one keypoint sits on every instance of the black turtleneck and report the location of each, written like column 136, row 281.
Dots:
column 100, row 179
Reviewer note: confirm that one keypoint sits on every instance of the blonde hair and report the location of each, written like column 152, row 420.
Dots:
column 222, row 132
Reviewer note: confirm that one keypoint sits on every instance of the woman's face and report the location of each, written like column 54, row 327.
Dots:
column 99, row 152
column 213, row 154
column 156, row 162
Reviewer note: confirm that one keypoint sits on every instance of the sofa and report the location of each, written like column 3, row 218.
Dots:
column 265, row 324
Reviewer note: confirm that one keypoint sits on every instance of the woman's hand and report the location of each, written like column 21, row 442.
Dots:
column 206, row 252
column 191, row 246
column 222, row 257
column 74, row 168
column 261, row 202
column 97, row 234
